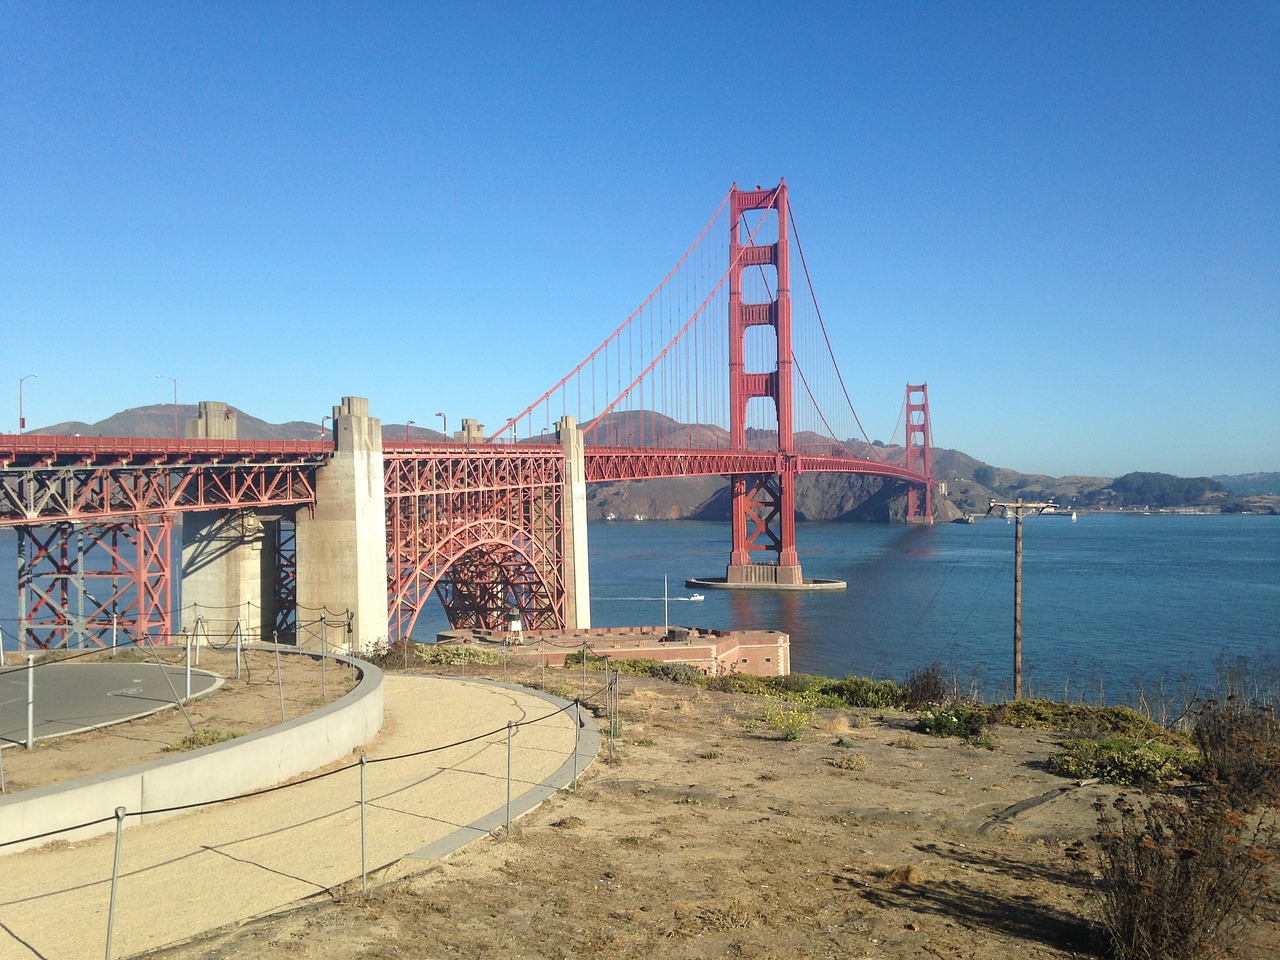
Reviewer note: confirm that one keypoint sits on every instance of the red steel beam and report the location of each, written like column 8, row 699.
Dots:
column 96, row 479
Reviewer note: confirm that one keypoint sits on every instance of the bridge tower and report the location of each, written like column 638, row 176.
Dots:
column 919, row 453
column 763, row 512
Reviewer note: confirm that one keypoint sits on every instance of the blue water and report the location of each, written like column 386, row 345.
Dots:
column 1110, row 603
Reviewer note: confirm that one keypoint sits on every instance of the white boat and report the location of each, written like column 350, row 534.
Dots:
column 697, row 596
column 1056, row 511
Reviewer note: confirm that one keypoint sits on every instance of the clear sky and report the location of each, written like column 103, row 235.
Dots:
column 1064, row 216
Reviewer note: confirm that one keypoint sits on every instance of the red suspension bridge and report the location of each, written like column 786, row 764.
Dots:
column 720, row 372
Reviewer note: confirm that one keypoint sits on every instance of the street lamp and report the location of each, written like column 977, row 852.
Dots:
column 444, row 425
column 22, row 421
column 161, row 376
column 322, row 423
column 406, row 429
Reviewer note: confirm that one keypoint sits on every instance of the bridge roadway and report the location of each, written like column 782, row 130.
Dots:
column 229, row 862
column 44, row 479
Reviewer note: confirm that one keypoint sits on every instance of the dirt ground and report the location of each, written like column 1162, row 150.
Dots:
column 703, row 833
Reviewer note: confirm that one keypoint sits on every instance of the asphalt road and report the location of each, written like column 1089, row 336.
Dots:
column 70, row 697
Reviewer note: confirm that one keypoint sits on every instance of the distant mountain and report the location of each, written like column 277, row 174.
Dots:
column 157, row 421
column 970, row 483
column 1252, row 484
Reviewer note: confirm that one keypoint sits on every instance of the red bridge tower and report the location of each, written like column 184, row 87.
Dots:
column 764, row 517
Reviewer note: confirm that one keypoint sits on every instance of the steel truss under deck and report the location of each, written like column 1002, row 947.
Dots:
column 483, row 527
column 95, row 522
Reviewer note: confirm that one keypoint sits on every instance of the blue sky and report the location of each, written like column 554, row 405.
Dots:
column 1064, row 217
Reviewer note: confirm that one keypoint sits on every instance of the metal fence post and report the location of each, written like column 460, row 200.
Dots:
column 577, row 728
column 364, row 858
column 115, row 880
column 510, row 727
column 31, row 701
column 275, row 639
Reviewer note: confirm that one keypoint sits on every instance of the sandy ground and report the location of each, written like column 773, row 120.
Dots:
column 706, row 834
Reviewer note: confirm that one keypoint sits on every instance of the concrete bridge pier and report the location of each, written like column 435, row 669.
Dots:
column 228, row 563
column 342, row 543
column 577, row 580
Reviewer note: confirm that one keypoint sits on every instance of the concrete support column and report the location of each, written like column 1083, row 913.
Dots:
column 342, row 543
column 226, row 565
column 227, row 574
column 577, row 580
column 214, row 421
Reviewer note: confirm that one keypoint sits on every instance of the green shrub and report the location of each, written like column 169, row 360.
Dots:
column 797, row 683
column 1178, row 880
column 202, row 737
column 961, row 719
column 633, row 667
column 452, row 654
column 1081, row 719
column 791, row 722
column 1120, row 761
column 676, row 673
column 575, row 660
column 865, row 692
column 740, row 683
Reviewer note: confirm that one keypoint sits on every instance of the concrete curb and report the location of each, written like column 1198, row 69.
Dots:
column 221, row 771
column 586, row 750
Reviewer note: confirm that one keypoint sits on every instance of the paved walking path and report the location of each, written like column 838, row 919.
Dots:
column 73, row 697
column 232, row 861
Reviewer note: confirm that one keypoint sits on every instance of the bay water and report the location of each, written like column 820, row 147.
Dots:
column 1113, row 605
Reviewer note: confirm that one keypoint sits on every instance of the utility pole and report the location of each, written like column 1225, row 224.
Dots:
column 1019, row 510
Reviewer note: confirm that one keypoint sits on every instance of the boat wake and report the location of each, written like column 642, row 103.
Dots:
column 693, row 599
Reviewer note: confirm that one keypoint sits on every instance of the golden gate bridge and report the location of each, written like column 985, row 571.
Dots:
column 721, row 371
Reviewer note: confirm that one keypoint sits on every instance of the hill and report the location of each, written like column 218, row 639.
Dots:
column 156, row 420
column 970, row 484
column 1251, row 484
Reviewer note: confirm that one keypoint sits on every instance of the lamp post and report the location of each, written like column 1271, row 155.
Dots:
column 323, row 420
column 174, row 380
column 22, row 421
column 444, row 425
column 406, row 429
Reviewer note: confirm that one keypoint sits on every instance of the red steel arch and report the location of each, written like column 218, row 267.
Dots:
column 482, row 527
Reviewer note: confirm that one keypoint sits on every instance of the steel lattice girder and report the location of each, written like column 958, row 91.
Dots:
column 483, row 528
column 80, row 585
column 606, row 464
column 284, row 541
column 48, row 494
column 760, row 499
